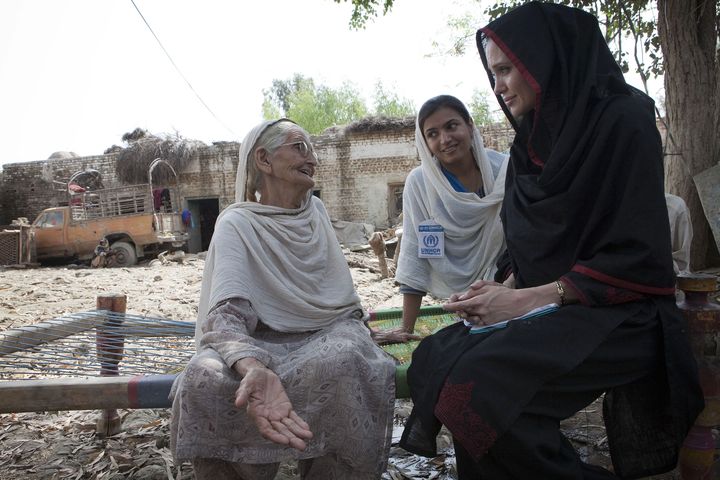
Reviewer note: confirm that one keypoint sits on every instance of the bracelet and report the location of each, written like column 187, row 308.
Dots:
column 560, row 291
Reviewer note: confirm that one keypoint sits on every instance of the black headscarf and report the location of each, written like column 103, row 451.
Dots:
column 584, row 194
column 584, row 202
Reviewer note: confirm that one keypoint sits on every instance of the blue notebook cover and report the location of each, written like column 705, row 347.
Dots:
column 544, row 310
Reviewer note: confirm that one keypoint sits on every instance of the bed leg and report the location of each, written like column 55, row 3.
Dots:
column 110, row 343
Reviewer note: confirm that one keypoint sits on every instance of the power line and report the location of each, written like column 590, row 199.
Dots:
column 180, row 72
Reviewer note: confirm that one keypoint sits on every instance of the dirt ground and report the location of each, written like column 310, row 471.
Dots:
column 64, row 445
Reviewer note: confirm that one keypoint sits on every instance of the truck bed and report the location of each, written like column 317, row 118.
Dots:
column 127, row 200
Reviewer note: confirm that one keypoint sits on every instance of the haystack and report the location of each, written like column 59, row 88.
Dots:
column 135, row 159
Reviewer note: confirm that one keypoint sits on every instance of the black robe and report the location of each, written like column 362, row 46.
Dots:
column 584, row 203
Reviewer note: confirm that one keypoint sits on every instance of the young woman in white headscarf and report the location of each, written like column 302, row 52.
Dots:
column 285, row 366
column 452, row 234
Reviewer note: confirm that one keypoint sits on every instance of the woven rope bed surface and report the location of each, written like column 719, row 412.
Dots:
column 72, row 345
column 106, row 360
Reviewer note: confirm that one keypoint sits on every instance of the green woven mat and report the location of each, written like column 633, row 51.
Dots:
column 429, row 321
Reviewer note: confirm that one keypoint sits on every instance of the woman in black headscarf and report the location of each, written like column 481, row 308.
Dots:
column 587, row 229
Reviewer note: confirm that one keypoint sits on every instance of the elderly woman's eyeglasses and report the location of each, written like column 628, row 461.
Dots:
column 302, row 147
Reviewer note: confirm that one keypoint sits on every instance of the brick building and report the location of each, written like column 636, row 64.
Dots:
column 360, row 176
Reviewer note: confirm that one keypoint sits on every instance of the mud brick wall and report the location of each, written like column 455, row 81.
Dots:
column 358, row 166
column 498, row 137
column 3, row 201
column 30, row 187
column 211, row 174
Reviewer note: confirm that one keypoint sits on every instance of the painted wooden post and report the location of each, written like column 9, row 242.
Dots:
column 109, row 345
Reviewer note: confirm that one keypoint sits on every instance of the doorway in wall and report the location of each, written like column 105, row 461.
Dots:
column 204, row 212
column 394, row 202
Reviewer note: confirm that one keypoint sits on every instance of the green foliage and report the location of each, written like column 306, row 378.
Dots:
column 317, row 107
column 389, row 104
column 276, row 102
column 314, row 107
column 479, row 107
column 322, row 107
column 270, row 110
column 363, row 10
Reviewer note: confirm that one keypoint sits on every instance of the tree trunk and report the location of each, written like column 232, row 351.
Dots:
column 688, row 36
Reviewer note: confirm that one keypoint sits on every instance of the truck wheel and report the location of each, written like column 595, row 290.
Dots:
column 124, row 254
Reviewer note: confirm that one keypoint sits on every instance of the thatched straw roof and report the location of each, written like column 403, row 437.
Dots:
column 380, row 124
column 134, row 160
column 135, row 135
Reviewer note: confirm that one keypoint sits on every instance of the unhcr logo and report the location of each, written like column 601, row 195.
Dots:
column 431, row 240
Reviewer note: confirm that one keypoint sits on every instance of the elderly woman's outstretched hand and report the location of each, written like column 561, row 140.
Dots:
column 269, row 406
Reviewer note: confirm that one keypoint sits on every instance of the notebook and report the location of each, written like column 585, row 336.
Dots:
column 536, row 312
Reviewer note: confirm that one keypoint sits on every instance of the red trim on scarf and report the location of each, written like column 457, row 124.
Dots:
column 454, row 411
column 530, row 80
column 617, row 282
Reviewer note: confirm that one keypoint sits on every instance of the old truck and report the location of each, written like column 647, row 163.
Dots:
column 137, row 220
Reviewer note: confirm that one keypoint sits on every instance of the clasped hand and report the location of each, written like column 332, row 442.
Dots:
column 269, row 406
column 486, row 303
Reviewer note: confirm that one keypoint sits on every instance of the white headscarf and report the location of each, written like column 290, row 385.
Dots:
column 286, row 262
column 473, row 231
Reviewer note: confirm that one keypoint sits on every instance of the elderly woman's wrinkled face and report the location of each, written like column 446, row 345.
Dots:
column 294, row 161
column 516, row 92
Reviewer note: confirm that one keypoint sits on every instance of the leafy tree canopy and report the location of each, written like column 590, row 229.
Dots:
column 389, row 104
column 316, row 107
column 479, row 107
column 364, row 10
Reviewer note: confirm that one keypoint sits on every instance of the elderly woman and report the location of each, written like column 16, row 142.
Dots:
column 285, row 367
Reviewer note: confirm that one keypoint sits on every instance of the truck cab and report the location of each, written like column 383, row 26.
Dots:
column 49, row 231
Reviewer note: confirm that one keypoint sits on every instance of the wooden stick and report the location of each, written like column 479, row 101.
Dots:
column 396, row 255
column 377, row 242
column 110, row 345
column 141, row 391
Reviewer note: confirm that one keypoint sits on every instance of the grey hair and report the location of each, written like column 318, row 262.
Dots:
column 271, row 139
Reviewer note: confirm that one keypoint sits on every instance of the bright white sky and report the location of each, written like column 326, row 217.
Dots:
column 77, row 74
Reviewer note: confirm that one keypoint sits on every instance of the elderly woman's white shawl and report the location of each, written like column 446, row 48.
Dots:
column 286, row 262
column 473, row 231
